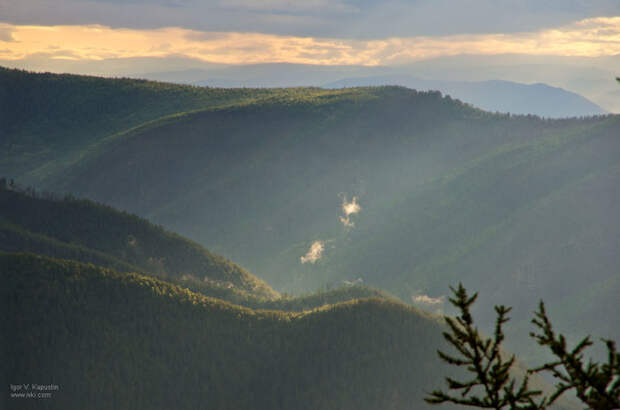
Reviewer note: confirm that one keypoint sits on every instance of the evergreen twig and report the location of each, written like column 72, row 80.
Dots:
column 491, row 385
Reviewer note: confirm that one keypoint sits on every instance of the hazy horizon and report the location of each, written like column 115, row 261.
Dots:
column 563, row 44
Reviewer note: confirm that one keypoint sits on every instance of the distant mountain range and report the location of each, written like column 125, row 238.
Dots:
column 590, row 77
column 265, row 75
column 501, row 96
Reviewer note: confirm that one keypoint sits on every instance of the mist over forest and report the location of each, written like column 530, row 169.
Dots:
column 317, row 206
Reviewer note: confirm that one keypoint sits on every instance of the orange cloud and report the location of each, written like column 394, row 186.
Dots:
column 590, row 37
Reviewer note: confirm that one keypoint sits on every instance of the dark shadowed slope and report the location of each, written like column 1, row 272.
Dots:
column 126, row 341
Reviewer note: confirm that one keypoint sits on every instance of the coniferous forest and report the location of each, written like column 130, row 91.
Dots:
column 173, row 246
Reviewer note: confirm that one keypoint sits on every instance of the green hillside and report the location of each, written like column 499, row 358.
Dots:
column 287, row 303
column 251, row 180
column 49, row 119
column 123, row 242
column 127, row 341
column 88, row 232
column 518, row 207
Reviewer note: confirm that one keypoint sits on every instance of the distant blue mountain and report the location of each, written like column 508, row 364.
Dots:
column 502, row 96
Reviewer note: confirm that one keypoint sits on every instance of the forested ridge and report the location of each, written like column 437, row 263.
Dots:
column 504, row 203
column 41, row 223
column 86, row 231
column 49, row 120
column 112, row 340
column 109, row 339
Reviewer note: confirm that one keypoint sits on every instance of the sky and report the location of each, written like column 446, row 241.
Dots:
column 324, row 32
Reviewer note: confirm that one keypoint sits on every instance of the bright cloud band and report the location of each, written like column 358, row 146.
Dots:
column 590, row 37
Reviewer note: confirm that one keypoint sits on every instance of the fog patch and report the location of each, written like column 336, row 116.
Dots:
column 356, row 282
column 314, row 253
column 426, row 302
column 349, row 209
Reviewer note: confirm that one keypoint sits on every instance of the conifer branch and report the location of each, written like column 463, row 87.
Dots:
column 491, row 385
column 597, row 385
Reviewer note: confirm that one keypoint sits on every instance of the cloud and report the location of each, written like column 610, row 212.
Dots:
column 290, row 7
column 349, row 208
column 6, row 33
column 202, row 36
column 350, row 19
column 314, row 253
column 587, row 38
